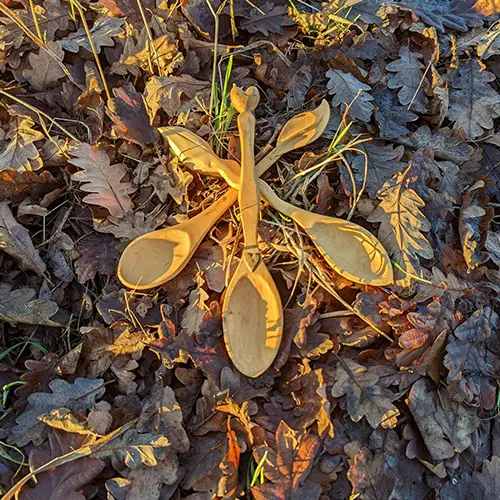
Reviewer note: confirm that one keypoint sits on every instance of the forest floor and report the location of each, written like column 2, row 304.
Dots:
column 377, row 392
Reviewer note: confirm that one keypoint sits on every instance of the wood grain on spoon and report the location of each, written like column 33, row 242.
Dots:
column 252, row 314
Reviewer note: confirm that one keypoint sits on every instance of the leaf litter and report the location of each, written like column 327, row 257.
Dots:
column 375, row 392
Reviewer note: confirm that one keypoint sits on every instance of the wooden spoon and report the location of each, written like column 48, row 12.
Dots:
column 348, row 248
column 252, row 315
column 158, row 256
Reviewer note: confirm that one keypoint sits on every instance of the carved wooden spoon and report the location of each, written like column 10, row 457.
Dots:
column 158, row 256
column 348, row 248
column 252, row 315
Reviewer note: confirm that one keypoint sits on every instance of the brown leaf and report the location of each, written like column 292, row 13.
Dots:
column 18, row 306
column 470, row 228
column 97, row 254
column 196, row 309
column 473, row 102
column 366, row 397
column 228, row 485
column 20, row 153
column 15, row 240
column 377, row 163
column 165, row 54
column 445, row 426
column 123, row 8
column 288, row 466
column 324, row 198
column 78, row 396
column 402, row 224
column 129, row 115
column 367, row 473
column 408, row 77
column 170, row 180
column 102, row 180
column 161, row 413
column 45, row 70
column 15, row 185
column 102, row 33
column 66, row 481
column 165, row 93
column 471, row 361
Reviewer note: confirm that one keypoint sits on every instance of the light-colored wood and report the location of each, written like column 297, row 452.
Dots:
column 252, row 312
column 156, row 257
column 348, row 248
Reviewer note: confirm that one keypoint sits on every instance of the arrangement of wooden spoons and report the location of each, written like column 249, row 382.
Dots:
column 252, row 313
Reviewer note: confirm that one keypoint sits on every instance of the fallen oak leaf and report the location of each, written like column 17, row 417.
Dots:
column 17, row 306
column 20, row 152
column 228, row 484
column 128, row 112
column 408, row 77
column 378, row 164
column 102, row 180
column 402, row 224
column 66, row 481
column 347, row 90
column 79, row 396
column 365, row 395
column 268, row 19
column 16, row 185
column 288, row 466
column 165, row 93
column 102, row 33
column 97, row 255
column 446, row 426
column 45, row 70
column 15, row 240
column 474, row 104
column 196, row 309
column 165, row 52
column 470, row 360
column 391, row 117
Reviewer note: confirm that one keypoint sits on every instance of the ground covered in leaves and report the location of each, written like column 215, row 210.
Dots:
column 376, row 393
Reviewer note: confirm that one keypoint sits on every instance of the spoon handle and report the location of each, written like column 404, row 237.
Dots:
column 249, row 197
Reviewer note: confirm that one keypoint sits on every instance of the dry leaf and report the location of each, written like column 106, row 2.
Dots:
column 129, row 115
column 20, row 152
column 196, row 309
column 288, row 466
column 165, row 93
column 391, row 117
column 79, row 397
column 474, row 104
column 445, row 426
column 402, row 224
column 102, row 180
column 409, row 78
column 97, row 254
column 102, row 33
column 271, row 19
column 165, row 55
column 16, row 241
column 366, row 397
column 381, row 162
column 66, row 481
column 45, row 71
column 345, row 88
column 16, row 185
column 471, row 361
